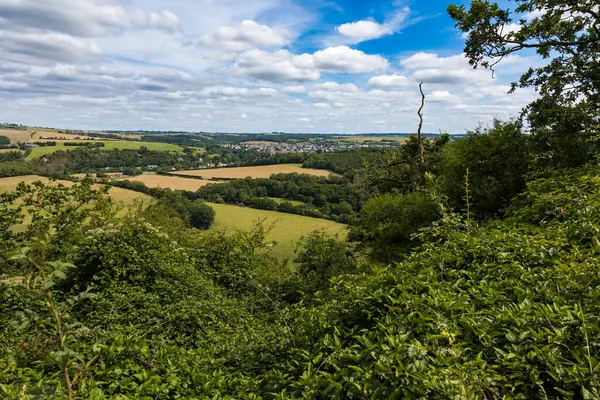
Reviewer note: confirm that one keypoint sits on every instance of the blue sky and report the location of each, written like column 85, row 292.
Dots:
column 333, row 66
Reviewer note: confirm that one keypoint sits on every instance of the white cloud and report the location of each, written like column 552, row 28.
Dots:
column 277, row 66
column 334, row 86
column 86, row 18
column 364, row 30
column 267, row 92
column 41, row 48
column 390, row 81
column 431, row 68
column 537, row 13
column 281, row 66
column 295, row 89
column 144, row 69
column 345, row 59
column 439, row 96
column 247, row 35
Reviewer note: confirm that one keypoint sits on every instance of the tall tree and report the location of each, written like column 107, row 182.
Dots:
column 566, row 118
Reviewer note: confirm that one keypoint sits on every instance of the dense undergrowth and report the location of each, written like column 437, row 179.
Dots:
column 144, row 307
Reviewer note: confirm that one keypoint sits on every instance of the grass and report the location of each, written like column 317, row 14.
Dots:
column 37, row 152
column 287, row 229
column 280, row 200
column 361, row 139
column 263, row 171
column 171, row 182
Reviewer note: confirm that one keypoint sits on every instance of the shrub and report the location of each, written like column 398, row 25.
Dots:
column 387, row 223
column 497, row 160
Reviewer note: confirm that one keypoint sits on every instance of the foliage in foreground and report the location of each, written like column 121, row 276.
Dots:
column 151, row 309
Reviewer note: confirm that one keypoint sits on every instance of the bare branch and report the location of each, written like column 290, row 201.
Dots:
column 420, row 137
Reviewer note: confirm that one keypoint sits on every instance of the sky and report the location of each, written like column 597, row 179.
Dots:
column 316, row 66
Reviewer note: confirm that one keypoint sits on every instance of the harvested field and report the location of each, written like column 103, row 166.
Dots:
column 263, row 171
column 170, row 182
column 9, row 150
column 40, row 136
column 15, row 136
column 119, row 195
column 287, row 229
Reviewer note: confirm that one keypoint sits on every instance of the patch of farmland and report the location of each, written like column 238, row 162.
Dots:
column 361, row 139
column 38, row 152
column 40, row 136
column 119, row 195
column 170, row 182
column 287, row 228
column 15, row 136
column 263, row 171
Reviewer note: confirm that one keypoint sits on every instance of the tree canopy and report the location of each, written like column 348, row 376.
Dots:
column 567, row 34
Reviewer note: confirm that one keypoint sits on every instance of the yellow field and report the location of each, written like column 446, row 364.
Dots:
column 170, row 182
column 119, row 195
column 9, row 150
column 263, row 171
column 15, row 136
column 40, row 136
column 287, row 229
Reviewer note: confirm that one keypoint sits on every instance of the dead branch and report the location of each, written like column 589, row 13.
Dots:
column 420, row 137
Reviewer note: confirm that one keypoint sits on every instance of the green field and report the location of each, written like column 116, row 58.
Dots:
column 37, row 152
column 288, row 228
column 362, row 138
column 279, row 200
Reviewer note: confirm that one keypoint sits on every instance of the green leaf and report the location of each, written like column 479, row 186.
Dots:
column 59, row 274
column 47, row 285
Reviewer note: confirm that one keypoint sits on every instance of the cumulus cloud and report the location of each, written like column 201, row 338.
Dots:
column 336, row 87
column 345, row 59
column 440, row 96
column 299, row 89
column 276, row 66
column 364, row 30
column 431, row 68
column 89, row 18
column 283, row 66
column 247, row 35
column 124, row 64
column 390, row 81
column 41, row 48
